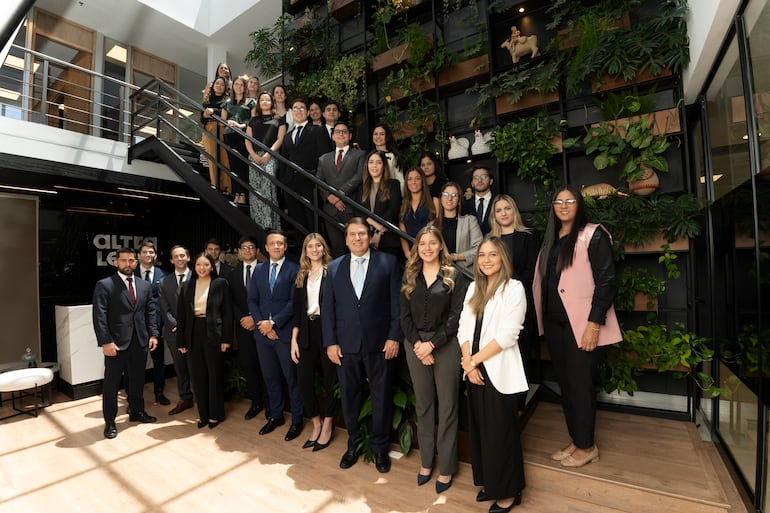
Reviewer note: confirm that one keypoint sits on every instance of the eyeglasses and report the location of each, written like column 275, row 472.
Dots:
column 341, row 132
column 569, row 202
column 449, row 194
column 480, row 178
column 297, row 108
column 248, row 248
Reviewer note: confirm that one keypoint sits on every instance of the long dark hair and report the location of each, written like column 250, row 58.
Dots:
column 213, row 275
column 552, row 232
column 366, row 185
column 390, row 144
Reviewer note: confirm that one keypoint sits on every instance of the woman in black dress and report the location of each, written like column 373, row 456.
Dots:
column 382, row 195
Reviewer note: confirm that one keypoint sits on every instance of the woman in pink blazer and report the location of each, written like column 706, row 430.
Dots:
column 574, row 289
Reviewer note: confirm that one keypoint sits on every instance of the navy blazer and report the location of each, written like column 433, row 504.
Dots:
column 116, row 318
column 470, row 209
column 157, row 275
column 277, row 305
column 363, row 324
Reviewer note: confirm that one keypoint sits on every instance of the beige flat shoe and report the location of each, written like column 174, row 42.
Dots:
column 572, row 462
column 564, row 453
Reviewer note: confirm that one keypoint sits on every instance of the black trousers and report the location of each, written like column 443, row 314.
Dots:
column 207, row 363
column 238, row 166
column 575, row 371
column 249, row 362
column 355, row 369
column 130, row 361
column 158, row 367
column 311, row 360
column 496, row 455
column 182, row 369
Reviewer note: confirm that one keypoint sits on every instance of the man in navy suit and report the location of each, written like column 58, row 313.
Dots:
column 124, row 323
column 148, row 271
column 303, row 145
column 362, row 334
column 342, row 169
column 271, row 303
column 479, row 205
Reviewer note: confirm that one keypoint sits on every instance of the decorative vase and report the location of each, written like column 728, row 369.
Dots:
column 647, row 184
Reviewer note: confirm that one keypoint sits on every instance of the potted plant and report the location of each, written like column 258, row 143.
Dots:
column 638, row 290
column 339, row 79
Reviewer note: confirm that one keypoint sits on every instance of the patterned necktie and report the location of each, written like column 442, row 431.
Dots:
column 147, row 275
column 131, row 292
column 297, row 131
column 248, row 275
column 181, row 277
column 480, row 211
column 358, row 278
column 339, row 160
column 273, row 273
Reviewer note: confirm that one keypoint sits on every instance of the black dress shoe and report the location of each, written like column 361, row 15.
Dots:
column 482, row 496
column 253, row 411
column 141, row 417
column 421, row 479
column 442, row 487
column 182, row 405
column 382, row 462
column 110, row 431
column 349, row 459
column 271, row 425
column 202, row 424
column 213, row 424
column 294, row 431
column 162, row 399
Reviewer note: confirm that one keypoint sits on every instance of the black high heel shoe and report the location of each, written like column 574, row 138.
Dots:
column 202, row 424
column 309, row 443
column 495, row 508
column 320, row 447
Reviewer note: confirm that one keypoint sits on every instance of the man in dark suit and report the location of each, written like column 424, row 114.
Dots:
column 479, row 205
column 303, row 145
column 214, row 250
column 168, row 297
column 362, row 334
column 124, row 323
column 331, row 116
column 148, row 271
column 343, row 170
column 271, row 303
column 239, row 281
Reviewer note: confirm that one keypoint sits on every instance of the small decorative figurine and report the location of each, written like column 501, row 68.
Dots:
column 481, row 144
column 600, row 190
column 519, row 45
column 458, row 147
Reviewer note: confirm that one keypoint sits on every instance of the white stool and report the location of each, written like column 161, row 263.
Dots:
column 19, row 383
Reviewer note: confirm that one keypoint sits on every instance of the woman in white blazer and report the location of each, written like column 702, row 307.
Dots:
column 492, row 317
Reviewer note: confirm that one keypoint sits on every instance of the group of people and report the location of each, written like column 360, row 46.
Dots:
column 348, row 318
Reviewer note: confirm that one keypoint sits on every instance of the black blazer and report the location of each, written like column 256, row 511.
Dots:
column 313, row 142
column 239, row 296
column 300, row 311
column 168, row 300
column 219, row 314
column 116, row 318
column 388, row 210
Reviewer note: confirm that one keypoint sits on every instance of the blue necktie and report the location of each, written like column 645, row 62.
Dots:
column 297, row 131
column 358, row 278
column 273, row 273
column 480, row 211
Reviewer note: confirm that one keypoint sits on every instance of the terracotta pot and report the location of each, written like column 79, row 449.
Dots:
column 655, row 245
column 647, row 184
column 528, row 100
column 465, row 70
column 608, row 83
column 418, row 84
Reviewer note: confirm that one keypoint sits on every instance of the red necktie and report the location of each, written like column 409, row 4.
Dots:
column 131, row 292
column 339, row 160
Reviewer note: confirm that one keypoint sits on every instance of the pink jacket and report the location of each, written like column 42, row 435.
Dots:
column 576, row 288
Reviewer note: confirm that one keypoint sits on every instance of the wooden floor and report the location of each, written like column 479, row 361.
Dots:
column 60, row 462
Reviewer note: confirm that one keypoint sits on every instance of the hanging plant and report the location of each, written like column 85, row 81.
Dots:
column 340, row 80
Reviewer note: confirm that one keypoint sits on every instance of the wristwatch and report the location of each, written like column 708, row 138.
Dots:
column 473, row 363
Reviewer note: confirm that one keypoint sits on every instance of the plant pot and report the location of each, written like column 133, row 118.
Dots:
column 408, row 129
column 342, row 10
column 465, row 70
column 655, row 245
column 572, row 40
column 608, row 83
column 647, row 184
column 644, row 303
column 418, row 85
column 528, row 100
column 662, row 122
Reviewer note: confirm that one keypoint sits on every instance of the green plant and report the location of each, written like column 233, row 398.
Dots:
column 340, row 79
column 528, row 144
column 630, row 142
column 638, row 281
column 657, row 346
column 542, row 78
column 748, row 350
column 404, row 420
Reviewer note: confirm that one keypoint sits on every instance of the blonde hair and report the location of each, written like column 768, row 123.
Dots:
column 414, row 264
column 304, row 260
column 483, row 292
column 518, row 222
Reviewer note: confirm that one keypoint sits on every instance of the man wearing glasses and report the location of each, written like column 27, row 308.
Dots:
column 302, row 145
column 343, row 170
column 244, row 324
column 478, row 205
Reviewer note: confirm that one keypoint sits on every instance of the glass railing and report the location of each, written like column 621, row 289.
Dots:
column 43, row 89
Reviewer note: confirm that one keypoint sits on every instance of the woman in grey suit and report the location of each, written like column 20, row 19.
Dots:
column 462, row 234
column 205, row 330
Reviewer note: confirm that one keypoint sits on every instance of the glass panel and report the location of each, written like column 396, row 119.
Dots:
column 727, row 125
column 758, row 28
column 112, row 110
column 12, row 79
column 738, row 422
column 62, row 94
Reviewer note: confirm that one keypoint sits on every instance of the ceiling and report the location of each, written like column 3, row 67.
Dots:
column 177, row 30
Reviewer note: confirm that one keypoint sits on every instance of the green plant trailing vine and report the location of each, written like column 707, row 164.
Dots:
column 638, row 281
column 340, row 80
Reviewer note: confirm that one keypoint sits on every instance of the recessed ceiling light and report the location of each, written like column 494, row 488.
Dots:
column 118, row 53
column 7, row 93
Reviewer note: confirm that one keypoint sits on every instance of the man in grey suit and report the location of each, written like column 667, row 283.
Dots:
column 168, row 297
column 125, row 327
column 343, row 170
